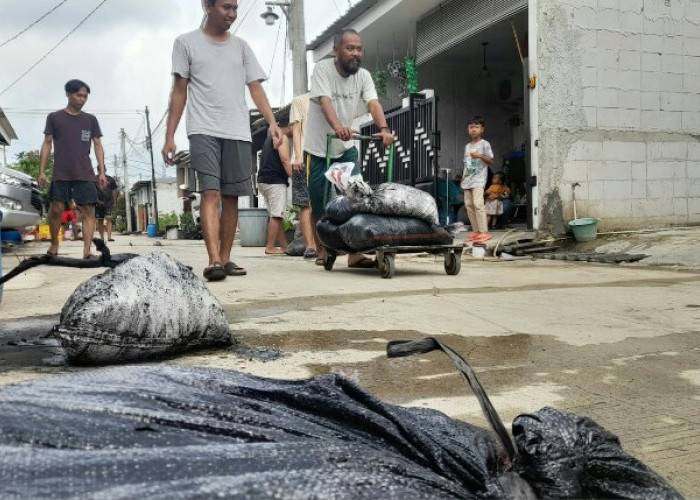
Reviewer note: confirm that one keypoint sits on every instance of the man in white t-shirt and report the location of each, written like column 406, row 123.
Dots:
column 211, row 68
column 340, row 91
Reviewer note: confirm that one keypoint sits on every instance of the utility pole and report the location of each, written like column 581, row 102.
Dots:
column 115, row 167
column 153, row 169
column 294, row 11
column 127, row 191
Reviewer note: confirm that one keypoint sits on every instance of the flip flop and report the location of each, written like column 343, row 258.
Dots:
column 232, row 269
column 364, row 263
column 214, row 272
column 482, row 237
column 310, row 253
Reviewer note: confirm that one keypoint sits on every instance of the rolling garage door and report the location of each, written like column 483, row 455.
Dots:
column 457, row 20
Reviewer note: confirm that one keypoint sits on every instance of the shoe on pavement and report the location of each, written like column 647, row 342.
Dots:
column 214, row 272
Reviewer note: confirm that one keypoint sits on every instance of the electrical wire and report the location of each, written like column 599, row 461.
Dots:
column 53, row 48
column 250, row 9
column 30, row 26
column 274, row 52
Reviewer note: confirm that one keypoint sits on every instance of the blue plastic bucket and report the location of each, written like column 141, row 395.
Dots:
column 585, row 229
column 152, row 230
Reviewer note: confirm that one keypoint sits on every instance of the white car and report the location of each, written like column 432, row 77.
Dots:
column 20, row 199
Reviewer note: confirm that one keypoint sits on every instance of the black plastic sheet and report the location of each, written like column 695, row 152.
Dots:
column 296, row 247
column 170, row 432
column 563, row 455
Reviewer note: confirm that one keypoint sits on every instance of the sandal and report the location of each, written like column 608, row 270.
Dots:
column 310, row 253
column 214, row 272
column 232, row 269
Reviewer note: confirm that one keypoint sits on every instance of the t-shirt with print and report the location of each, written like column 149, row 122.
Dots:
column 475, row 169
column 349, row 96
column 218, row 73
column 72, row 139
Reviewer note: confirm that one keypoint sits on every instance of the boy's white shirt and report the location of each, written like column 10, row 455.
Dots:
column 477, row 179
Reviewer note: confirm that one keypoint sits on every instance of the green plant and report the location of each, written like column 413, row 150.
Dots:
column 186, row 219
column 290, row 216
column 170, row 219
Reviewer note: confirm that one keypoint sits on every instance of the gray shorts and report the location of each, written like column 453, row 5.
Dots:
column 300, row 190
column 82, row 192
column 223, row 165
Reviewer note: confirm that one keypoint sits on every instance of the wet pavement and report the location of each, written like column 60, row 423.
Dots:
column 618, row 343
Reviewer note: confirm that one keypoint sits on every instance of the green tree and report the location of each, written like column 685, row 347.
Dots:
column 28, row 163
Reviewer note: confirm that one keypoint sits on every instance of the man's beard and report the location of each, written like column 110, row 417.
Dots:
column 351, row 70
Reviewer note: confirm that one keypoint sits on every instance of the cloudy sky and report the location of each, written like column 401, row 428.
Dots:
column 123, row 51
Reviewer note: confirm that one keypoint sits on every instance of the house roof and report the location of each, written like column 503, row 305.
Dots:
column 7, row 133
column 343, row 21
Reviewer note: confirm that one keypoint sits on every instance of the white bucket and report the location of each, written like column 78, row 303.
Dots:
column 478, row 252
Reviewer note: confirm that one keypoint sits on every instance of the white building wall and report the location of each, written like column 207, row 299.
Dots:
column 619, row 87
column 168, row 198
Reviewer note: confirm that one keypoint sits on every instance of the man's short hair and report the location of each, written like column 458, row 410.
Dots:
column 338, row 37
column 212, row 3
column 477, row 120
column 73, row 86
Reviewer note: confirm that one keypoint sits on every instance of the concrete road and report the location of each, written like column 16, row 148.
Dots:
column 618, row 343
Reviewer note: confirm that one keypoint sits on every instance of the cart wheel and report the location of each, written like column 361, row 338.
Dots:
column 453, row 263
column 386, row 267
column 330, row 260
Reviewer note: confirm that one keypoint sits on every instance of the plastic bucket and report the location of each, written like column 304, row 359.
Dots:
column 152, row 230
column 252, row 226
column 585, row 229
column 172, row 232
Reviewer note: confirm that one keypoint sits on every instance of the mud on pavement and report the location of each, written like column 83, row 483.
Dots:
column 619, row 344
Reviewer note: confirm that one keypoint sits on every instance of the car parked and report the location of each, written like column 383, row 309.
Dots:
column 20, row 199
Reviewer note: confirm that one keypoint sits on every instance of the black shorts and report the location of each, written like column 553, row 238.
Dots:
column 82, row 192
column 102, row 211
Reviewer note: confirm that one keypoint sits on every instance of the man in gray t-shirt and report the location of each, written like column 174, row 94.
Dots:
column 211, row 68
column 341, row 90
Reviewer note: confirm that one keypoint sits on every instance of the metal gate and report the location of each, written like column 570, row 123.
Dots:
column 416, row 146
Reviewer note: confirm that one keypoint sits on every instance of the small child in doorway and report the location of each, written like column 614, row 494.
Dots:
column 478, row 155
column 495, row 194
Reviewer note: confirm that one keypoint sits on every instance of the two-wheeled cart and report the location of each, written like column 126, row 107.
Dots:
column 385, row 254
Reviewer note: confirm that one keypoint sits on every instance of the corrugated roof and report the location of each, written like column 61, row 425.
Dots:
column 5, row 127
column 342, row 22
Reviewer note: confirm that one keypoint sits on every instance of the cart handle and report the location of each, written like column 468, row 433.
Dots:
column 357, row 137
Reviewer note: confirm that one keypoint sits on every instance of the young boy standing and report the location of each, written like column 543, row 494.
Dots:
column 477, row 157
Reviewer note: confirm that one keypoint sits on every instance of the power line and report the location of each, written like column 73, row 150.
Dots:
column 250, row 9
column 274, row 52
column 54, row 47
column 28, row 27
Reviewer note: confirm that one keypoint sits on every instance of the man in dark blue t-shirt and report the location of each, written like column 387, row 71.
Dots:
column 71, row 132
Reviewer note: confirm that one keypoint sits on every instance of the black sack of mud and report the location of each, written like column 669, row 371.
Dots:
column 564, row 455
column 393, row 199
column 170, row 432
column 329, row 235
column 296, row 247
column 146, row 307
column 340, row 209
column 365, row 232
